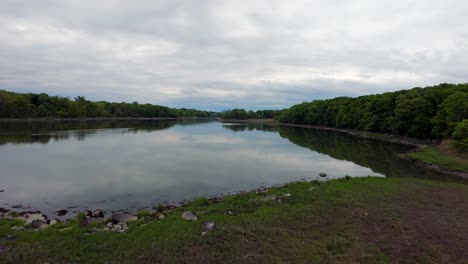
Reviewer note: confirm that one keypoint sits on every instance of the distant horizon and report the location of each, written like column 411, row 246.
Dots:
column 215, row 56
column 71, row 97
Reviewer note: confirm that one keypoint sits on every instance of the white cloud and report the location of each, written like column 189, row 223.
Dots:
column 226, row 54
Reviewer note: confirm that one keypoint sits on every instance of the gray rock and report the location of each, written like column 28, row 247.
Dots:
column 98, row 213
column 53, row 222
column 208, row 225
column 189, row 216
column 271, row 197
column 61, row 212
column 287, row 195
column 43, row 227
column 30, row 217
column 123, row 218
column 38, row 223
column 160, row 216
column 110, row 225
column 117, row 228
column 322, row 175
column 229, row 212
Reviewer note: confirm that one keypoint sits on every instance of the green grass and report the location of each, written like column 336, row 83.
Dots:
column 304, row 228
column 433, row 155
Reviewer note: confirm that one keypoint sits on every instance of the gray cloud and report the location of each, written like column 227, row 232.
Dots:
column 226, row 54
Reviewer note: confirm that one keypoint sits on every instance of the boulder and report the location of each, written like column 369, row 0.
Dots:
column 87, row 213
column 38, row 224
column 123, row 218
column 98, row 213
column 189, row 216
column 61, row 212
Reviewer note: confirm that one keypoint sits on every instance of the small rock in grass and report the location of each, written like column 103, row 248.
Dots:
column 160, row 216
column 229, row 212
column 208, row 225
column 65, row 229
column 11, row 238
column 43, row 227
column 117, row 228
column 271, row 197
column 189, row 216
column 311, row 188
column 287, row 195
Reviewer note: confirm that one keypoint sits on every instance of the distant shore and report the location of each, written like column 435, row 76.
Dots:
column 420, row 145
column 82, row 119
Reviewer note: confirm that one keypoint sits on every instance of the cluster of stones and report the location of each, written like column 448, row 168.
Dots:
column 206, row 226
column 119, row 222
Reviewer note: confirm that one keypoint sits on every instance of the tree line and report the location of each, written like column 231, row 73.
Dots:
column 16, row 105
column 249, row 114
column 439, row 111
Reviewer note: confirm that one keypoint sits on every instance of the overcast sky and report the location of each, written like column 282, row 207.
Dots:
column 218, row 55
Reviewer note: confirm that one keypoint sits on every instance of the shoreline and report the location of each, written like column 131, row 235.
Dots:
column 341, row 220
column 103, row 216
column 419, row 144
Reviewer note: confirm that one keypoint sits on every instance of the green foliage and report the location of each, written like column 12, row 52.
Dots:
column 240, row 114
column 144, row 214
column 420, row 112
column 460, row 135
column 433, row 155
column 15, row 105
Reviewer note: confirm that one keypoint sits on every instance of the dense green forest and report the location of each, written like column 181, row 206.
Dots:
column 243, row 114
column 16, row 105
column 431, row 112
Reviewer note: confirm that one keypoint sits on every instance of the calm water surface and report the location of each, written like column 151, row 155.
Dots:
column 131, row 165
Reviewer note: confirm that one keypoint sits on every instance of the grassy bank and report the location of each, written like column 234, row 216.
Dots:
column 373, row 220
column 441, row 156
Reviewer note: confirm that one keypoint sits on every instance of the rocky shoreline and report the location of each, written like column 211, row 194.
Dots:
column 119, row 222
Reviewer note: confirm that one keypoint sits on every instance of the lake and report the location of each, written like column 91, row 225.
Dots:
column 134, row 164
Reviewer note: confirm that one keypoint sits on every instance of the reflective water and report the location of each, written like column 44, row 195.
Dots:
column 134, row 164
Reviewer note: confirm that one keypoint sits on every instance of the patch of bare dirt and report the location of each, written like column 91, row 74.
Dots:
column 429, row 225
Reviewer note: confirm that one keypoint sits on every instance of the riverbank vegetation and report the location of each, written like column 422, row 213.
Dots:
column 441, row 156
column 364, row 220
column 438, row 111
column 30, row 105
column 242, row 114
